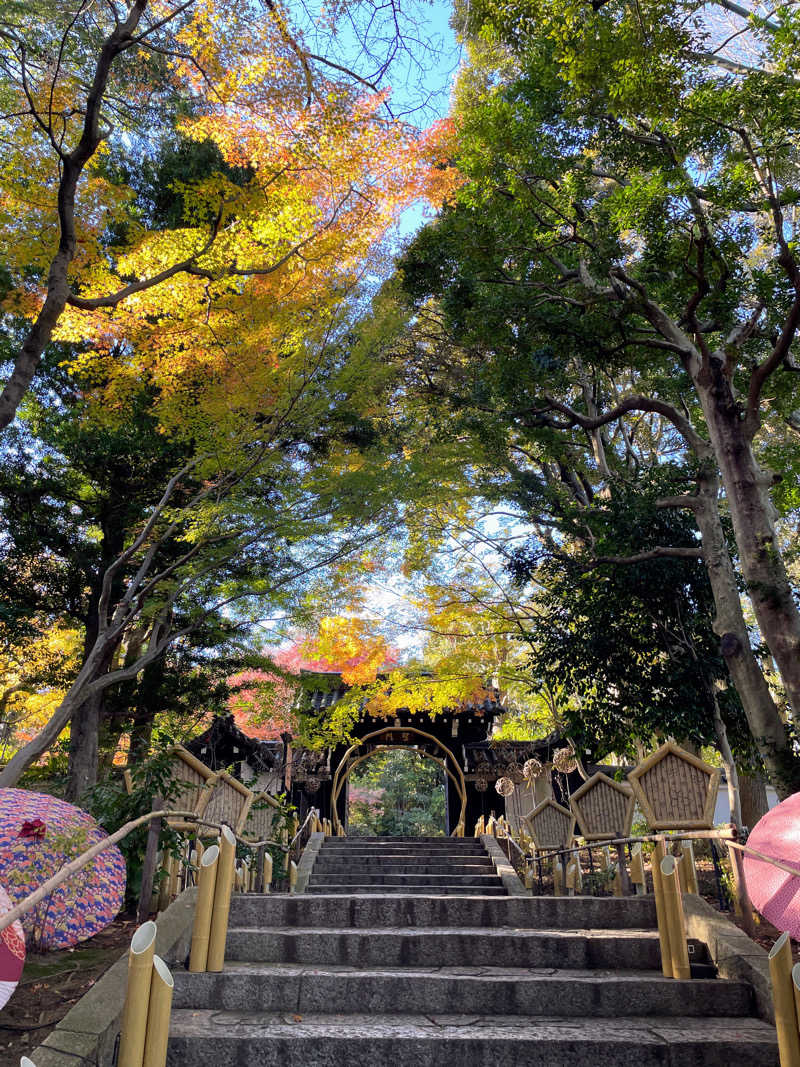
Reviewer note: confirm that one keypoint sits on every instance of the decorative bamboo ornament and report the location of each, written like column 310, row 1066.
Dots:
column 679, row 950
column 603, row 808
column 783, row 999
column 222, row 901
column 637, row 875
column 688, row 868
column 206, row 883
column 137, row 996
column 676, row 790
column 292, row 876
column 661, row 911
column 155, row 1046
column 550, row 825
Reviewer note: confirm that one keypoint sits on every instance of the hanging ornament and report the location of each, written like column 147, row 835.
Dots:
column 312, row 783
column 532, row 768
column 481, row 784
column 564, row 760
column 504, row 786
column 514, row 772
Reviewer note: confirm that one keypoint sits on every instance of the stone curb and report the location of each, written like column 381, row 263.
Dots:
column 87, row 1034
column 306, row 864
column 735, row 955
column 509, row 877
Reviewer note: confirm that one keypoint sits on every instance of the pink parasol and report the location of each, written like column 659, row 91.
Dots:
column 12, row 952
column 39, row 834
column 776, row 893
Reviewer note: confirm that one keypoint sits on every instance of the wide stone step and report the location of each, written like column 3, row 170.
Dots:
column 396, row 850
column 214, row 1038
column 484, row 991
column 392, row 866
column 423, row 890
column 533, row 913
column 436, row 947
column 371, row 878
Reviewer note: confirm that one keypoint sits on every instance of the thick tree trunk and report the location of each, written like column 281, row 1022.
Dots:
column 753, row 792
column 752, row 513
column 84, row 741
column 763, row 715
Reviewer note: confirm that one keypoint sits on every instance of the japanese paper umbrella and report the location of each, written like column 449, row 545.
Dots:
column 39, row 834
column 776, row 893
column 12, row 952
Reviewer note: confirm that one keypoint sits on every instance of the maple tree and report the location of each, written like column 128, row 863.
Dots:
column 308, row 170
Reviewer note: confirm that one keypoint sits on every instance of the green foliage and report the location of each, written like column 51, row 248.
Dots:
column 405, row 795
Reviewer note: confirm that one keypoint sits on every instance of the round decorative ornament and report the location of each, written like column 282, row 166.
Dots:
column 12, row 952
column 481, row 784
column 39, row 835
column 564, row 760
column 504, row 786
column 532, row 768
column 312, row 783
column 515, row 773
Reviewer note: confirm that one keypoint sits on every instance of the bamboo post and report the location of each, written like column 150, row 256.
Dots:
column 661, row 912
column 558, row 889
column 206, row 883
column 175, row 873
column 688, row 868
column 267, row 871
column 796, row 989
column 622, row 871
column 292, row 876
column 155, row 1046
column 165, row 882
column 137, row 996
column 637, row 870
column 783, row 999
column 149, row 866
column 673, row 907
column 25, row 1062
column 222, row 901
column 742, row 903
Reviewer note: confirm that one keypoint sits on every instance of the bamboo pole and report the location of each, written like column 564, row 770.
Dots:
column 558, row 888
column 688, row 868
column 661, row 912
column 783, row 999
column 165, row 881
column 267, row 876
column 222, row 901
column 25, row 1062
column 292, row 876
column 155, row 1046
column 796, row 989
column 673, row 906
column 137, row 996
column 206, row 883
column 637, row 870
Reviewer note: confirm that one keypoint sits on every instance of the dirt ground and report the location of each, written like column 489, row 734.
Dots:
column 51, row 983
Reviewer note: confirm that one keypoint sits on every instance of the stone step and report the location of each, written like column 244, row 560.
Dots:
column 371, row 878
column 448, row 947
column 532, row 913
column 439, row 839
column 402, row 850
column 388, row 863
column 212, row 1038
column 350, row 889
column 484, row 991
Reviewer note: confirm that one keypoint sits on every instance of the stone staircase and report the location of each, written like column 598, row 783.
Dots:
column 357, row 978
column 440, row 865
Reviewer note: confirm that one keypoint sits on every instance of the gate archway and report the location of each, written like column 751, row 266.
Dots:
column 343, row 771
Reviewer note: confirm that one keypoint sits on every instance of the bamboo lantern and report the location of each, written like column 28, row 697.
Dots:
column 551, row 826
column 292, row 876
column 558, row 878
column 603, row 808
column 206, row 883
column 573, row 879
column 673, row 907
column 676, row 790
column 155, row 1047
column 529, row 877
column 783, row 999
column 659, row 853
column 688, row 869
column 222, row 901
column 137, row 996
column 267, row 871
column 637, row 869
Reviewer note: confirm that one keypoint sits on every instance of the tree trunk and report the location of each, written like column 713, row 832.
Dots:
column 84, row 740
column 752, row 512
column 763, row 716
column 753, row 792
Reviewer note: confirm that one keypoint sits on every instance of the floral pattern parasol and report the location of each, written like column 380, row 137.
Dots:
column 775, row 893
column 39, row 834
